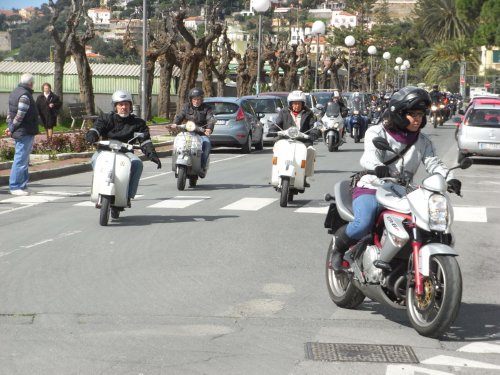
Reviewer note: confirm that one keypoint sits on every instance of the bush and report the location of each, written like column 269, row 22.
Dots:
column 62, row 143
column 7, row 150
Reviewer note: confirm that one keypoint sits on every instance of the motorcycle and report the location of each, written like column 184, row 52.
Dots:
column 186, row 156
column 357, row 124
column 437, row 114
column 376, row 111
column 333, row 127
column 408, row 260
column 111, row 177
column 293, row 161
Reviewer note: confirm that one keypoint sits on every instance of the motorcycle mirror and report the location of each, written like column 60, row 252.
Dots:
column 138, row 135
column 382, row 144
column 320, row 106
column 465, row 163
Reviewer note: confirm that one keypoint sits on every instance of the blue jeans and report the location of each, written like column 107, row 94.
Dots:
column 206, row 146
column 365, row 208
column 135, row 172
column 19, row 172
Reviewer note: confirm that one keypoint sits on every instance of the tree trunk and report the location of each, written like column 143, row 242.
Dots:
column 84, row 77
column 166, row 70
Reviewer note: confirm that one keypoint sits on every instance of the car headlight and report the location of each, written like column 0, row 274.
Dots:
column 438, row 212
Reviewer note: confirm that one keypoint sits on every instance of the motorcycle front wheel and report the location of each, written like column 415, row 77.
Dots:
column 340, row 287
column 285, row 189
column 181, row 178
column 104, row 212
column 432, row 313
column 355, row 134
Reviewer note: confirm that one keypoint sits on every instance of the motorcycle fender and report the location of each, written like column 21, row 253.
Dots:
column 430, row 250
column 122, row 179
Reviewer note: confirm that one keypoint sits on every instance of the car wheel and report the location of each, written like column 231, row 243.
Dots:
column 247, row 146
column 260, row 145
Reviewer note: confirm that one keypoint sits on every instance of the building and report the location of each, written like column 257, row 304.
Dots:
column 192, row 23
column 343, row 19
column 100, row 16
column 490, row 60
column 398, row 9
column 27, row 13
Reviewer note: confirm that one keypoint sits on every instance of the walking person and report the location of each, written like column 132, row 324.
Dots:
column 48, row 105
column 22, row 121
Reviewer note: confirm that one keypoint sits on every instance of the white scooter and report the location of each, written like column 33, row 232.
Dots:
column 186, row 158
column 333, row 127
column 293, row 161
column 111, row 177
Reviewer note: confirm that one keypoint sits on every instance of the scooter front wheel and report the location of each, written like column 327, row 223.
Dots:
column 285, row 189
column 181, row 178
column 105, row 207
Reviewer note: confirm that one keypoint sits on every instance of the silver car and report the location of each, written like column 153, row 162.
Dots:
column 479, row 132
column 237, row 124
column 267, row 108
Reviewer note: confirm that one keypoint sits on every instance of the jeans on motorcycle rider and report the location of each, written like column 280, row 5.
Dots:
column 401, row 127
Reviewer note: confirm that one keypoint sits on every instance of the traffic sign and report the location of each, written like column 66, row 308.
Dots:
column 487, row 84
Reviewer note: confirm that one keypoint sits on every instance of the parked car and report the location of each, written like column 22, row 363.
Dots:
column 237, row 124
column 267, row 108
column 479, row 131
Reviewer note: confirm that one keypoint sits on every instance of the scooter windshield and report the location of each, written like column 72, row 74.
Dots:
column 332, row 109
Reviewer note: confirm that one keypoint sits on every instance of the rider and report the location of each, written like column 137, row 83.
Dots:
column 299, row 115
column 336, row 98
column 202, row 115
column 403, row 121
column 120, row 124
column 435, row 94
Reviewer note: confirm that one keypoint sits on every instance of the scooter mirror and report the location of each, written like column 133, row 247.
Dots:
column 382, row 144
column 138, row 135
column 465, row 163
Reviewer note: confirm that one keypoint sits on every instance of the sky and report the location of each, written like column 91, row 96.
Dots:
column 18, row 4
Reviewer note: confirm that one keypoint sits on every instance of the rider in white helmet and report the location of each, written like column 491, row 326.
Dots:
column 121, row 124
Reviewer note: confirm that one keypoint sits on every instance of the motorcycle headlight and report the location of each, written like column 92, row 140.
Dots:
column 441, row 106
column 433, row 107
column 336, row 125
column 356, row 112
column 293, row 132
column 438, row 212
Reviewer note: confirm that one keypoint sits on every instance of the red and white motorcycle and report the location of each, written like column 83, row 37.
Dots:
column 408, row 261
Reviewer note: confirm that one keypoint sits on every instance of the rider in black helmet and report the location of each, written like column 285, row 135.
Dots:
column 202, row 115
column 403, row 120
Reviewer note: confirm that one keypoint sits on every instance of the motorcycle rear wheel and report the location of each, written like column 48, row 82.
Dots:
column 285, row 189
column 104, row 212
column 340, row 286
column 181, row 178
column 432, row 314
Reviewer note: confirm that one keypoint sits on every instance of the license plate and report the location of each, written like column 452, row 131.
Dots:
column 489, row 146
column 220, row 122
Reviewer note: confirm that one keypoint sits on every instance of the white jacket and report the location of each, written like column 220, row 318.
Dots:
column 422, row 151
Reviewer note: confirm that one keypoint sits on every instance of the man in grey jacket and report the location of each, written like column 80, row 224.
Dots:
column 22, row 120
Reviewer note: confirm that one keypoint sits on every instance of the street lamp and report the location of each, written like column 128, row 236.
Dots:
column 386, row 56
column 372, row 50
column 318, row 28
column 349, row 42
column 143, row 59
column 399, row 61
column 260, row 6
column 406, row 64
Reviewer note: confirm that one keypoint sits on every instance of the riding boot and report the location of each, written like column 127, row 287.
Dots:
column 341, row 244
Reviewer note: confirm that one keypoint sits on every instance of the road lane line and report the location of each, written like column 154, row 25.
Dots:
column 249, row 204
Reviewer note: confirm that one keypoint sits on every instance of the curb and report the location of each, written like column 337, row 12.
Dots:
column 68, row 170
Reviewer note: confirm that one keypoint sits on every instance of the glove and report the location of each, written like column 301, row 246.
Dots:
column 382, row 171
column 91, row 137
column 155, row 159
column 454, row 186
column 313, row 135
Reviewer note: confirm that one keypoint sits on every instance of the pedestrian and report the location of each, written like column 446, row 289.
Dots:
column 22, row 121
column 48, row 105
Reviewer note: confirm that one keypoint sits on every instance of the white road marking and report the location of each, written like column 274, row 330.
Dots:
column 178, row 202
column 312, row 210
column 481, row 347
column 16, row 208
column 31, row 199
column 59, row 236
column 412, row 370
column 64, row 193
column 249, row 204
column 85, row 204
column 470, row 214
column 445, row 360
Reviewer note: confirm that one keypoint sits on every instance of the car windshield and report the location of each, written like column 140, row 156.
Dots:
column 484, row 117
column 223, row 108
column 332, row 109
column 263, row 105
column 322, row 98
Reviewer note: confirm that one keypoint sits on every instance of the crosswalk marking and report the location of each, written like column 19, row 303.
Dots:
column 445, row 360
column 249, row 204
column 32, row 199
column 178, row 202
column 481, row 347
column 475, row 214
column 312, row 210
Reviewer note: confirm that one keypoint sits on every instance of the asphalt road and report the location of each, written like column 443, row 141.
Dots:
column 219, row 279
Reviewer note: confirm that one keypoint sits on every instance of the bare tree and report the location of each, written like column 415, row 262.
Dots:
column 246, row 71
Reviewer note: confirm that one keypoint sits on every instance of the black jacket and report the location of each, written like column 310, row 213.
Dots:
column 112, row 126
column 48, row 115
column 29, row 125
column 201, row 116
column 285, row 119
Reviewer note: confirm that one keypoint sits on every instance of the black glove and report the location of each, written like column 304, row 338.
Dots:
column 91, row 137
column 155, row 159
column 454, row 186
column 382, row 171
column 313, row 134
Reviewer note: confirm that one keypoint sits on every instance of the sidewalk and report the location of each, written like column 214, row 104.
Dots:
column 77, row 163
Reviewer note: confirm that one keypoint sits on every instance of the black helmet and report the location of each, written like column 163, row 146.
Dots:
column 435, row 87
column 195, row 92
column 407, row 99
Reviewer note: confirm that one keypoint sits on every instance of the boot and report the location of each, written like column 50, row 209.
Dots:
column 341, row 245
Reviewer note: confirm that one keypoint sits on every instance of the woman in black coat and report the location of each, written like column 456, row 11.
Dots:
column 48, row 105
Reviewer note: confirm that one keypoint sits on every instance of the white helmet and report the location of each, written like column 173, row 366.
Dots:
column 121, row 96
column 336, row 94
column 296, row 96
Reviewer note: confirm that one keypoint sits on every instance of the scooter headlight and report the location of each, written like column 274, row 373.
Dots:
column 190, row 126
column 438, row 212
column 293, row 132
